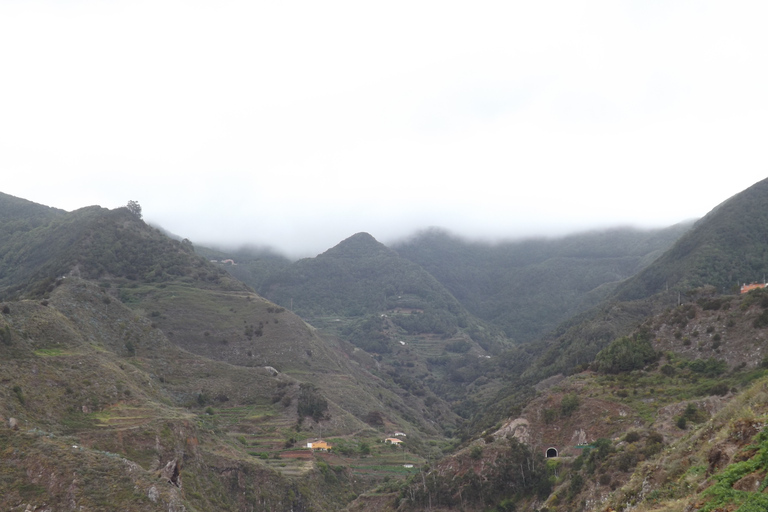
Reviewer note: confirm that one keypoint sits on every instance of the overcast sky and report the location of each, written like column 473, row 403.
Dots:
column 297, row 124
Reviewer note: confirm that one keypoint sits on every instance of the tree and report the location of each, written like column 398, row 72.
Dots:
column 134, row 207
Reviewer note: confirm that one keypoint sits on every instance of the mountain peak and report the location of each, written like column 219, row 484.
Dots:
column 358, row 245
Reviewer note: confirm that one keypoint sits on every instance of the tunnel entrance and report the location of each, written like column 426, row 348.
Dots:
column 551, row 452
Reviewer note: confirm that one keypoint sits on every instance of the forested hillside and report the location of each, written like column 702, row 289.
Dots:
column 529, row 287
column 725, row 249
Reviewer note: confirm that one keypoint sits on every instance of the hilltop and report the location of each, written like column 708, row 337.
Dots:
column 724, row 249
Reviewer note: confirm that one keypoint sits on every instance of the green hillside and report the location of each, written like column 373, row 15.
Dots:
column 671, row 417
column 725, row 249
column 360, row 276
column 529, row 287
column 419, row 335
column 92, row 243
column 138, row 375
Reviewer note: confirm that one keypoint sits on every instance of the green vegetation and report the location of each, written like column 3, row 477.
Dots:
column 626, row 354
column 529, row 287
column 147, row 365
column 517, row 473
column 724, row 249
column 311, row 403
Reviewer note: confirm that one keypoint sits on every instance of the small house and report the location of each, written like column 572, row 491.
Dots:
column 319, row 445
column 393, row 440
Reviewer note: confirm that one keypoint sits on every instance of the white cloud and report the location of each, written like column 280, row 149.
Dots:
column 301, row 123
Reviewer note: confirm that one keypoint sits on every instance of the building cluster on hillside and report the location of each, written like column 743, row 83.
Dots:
column 753, row 286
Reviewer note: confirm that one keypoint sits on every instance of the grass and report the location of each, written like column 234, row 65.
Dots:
column 53, row 352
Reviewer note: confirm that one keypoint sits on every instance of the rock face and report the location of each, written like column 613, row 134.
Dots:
column 13, row 424
column 517, row 428
column 172, row 473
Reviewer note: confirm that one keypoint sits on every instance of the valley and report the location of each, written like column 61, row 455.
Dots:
column 620, row 370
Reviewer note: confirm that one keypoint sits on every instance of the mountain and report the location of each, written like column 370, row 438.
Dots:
column 670, row 418
column 357, row 277
column 654, row 400
column 365, row 293
column 93, row 243
column 139, row 375
column 726, row 248
column 529, row 287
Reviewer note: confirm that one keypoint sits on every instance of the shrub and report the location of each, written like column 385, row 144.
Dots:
column 311, row 402
column 761, row 321
column 708, row 367
column 626, row 461
column 720, row 389
column 569, row 404
column 655, row 437
column 577, row 482
column 374, row 419
column 625, row 354
column 5, row 335
column 17, row 391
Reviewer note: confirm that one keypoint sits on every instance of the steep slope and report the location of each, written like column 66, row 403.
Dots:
column 356, row 277
column 421, row 338
column 361, row 279
column 726, row 248
column 106, row 413
column 95, row 243
column 668, row 418
column 168, row 370
column 528, row 287
column 728, row 242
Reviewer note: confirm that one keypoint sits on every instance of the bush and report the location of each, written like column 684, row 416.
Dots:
column 626, row 461
column 569, row 404
column 550, row 415
column 625, row 354
column 5, row 335
column 708, row 367
column 311, row 402
column 668, row 370
column 17, row 391
column 374, row 419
